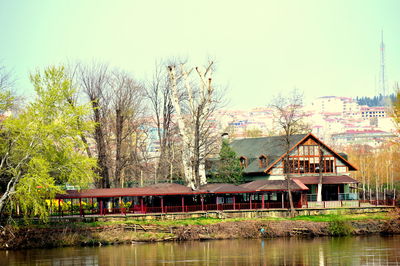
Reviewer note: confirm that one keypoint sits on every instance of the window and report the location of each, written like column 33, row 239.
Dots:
column 308, row 161
column 263, row 161
column 243, row 161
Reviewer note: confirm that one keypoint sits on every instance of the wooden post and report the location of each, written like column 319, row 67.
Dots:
column 80, row 207
column 283, row 201
column 384, row 195
column 234, row 202
column 101, row 207
column 141, row 205
column 394, row 197
column 59, row 207
column 162, row 204
column 183, row 204
column 202, row 202
column 72, row 207
column 120, row 205
column 91, row 201
column 251, row 207
column 262, row 201
column 338, row 191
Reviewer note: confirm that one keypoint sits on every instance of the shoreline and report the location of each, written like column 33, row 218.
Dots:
column 132, row 231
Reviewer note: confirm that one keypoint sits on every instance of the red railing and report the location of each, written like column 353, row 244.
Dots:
column 220, row 207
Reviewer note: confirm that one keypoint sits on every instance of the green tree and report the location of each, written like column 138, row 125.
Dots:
column 229, row 169
column 41, row 149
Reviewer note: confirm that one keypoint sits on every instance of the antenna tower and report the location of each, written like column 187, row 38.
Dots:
column 382, row 74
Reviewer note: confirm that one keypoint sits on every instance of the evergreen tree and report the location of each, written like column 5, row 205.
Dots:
column 229, row 169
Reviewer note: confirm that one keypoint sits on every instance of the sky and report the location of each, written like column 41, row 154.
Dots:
column 261, row 48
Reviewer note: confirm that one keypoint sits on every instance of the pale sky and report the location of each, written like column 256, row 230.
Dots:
column 261, row 47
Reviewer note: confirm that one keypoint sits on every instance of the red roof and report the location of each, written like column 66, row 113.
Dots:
column 342, row 179
column 157, row 189
column 274, row 185
column 225, row 188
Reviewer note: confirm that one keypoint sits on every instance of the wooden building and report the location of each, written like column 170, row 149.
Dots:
column 264, row 159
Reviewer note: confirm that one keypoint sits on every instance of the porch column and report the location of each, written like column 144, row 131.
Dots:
column 91, row 201
column 251, row 207
column 162, row 204
column 283, row 201
column 101, row 207
column 80, row 207
column 141, row 205
column 262, row 201
column 120, row 202
column 338, row 191
column 72, row 207
column 183, row 204
column 59, row 207
column 202, row 202
column 234, row 202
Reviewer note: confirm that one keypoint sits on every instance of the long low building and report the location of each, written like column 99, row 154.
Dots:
column 170, row 197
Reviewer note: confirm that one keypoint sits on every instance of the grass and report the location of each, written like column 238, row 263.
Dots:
column 345, row 217
column 209, row 220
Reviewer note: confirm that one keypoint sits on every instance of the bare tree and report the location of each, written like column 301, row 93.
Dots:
column 193, row 116
column 7, row 97
column 94, row 80
column 289, row 118
column 128, row 115
column 158, row 92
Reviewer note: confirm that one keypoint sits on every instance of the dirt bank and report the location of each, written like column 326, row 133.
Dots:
column 34, row 237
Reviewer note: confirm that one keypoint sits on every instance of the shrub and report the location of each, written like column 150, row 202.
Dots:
column 339, row 227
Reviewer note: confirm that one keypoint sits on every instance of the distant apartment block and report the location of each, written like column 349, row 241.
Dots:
column 370, row 112
column 370, row 137
column 336, row 105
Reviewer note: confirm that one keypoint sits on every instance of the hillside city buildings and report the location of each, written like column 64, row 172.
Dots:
column 335, row 120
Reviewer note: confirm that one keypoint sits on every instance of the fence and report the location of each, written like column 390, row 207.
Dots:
column 142, row 209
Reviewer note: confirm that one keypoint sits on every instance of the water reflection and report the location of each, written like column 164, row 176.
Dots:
column 373, row 250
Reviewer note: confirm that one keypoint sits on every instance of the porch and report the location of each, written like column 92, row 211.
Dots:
column 79, row 210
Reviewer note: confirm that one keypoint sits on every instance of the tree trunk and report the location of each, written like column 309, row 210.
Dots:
column 287, row 169
column 10, row 189
column 101, row 148
column 118, row 146
column 321, row 170
column 187, row 155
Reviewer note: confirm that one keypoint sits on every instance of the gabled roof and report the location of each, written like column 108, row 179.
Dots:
column 272, row 147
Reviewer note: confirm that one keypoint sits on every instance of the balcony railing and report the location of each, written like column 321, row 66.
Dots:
column 341, row 196
column 348, row 196
column 311, row 197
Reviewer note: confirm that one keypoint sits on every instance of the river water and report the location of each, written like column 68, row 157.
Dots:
column 367, row 250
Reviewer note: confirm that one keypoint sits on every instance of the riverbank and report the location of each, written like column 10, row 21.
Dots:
column 58, row 234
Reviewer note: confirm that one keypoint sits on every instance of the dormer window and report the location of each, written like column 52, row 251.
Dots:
column 263, row 161
column 243, row 161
